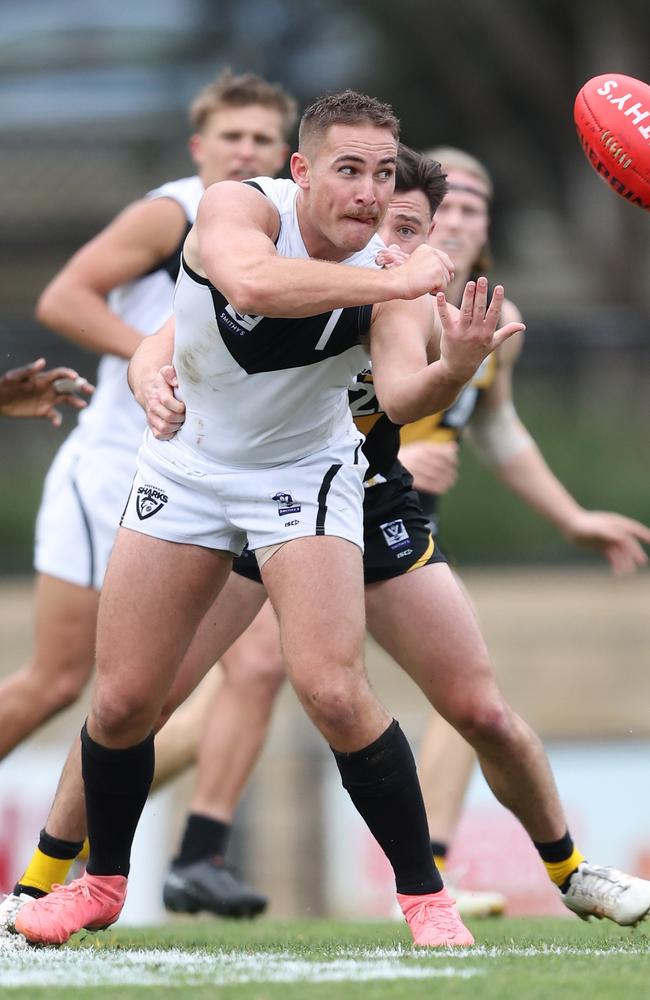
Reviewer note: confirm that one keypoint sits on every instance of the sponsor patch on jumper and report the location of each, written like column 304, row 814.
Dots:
column 395, row 534
column 149, row 500
column 286, row 504
column 240, row 323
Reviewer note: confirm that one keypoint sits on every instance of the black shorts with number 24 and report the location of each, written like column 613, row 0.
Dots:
column 396, row 533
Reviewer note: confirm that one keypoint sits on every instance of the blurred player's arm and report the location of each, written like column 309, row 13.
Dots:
column 31, row 391
column 74, row 303
column 233, row 245
column 433, row 464
column 404, row 336
column 152, row 379
column 500, row 439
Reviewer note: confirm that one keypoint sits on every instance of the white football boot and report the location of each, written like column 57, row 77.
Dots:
column 606, row 892
column 8, row 910
column 477, row 902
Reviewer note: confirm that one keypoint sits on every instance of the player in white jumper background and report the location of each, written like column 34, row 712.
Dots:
column 209, row 502
column 115, row 290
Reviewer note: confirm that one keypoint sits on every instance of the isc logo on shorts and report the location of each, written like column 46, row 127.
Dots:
column 395, row 534
column 149, row 500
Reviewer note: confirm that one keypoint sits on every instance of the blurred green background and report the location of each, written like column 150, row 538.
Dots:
column 93, row 102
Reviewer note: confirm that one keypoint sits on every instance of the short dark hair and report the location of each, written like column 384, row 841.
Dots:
column 414, row 171
column 240, row 91
column 346, row 108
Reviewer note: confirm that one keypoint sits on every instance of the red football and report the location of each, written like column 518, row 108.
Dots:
column 612, row 116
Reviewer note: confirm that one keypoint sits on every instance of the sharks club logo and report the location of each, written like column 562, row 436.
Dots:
column 148, row 501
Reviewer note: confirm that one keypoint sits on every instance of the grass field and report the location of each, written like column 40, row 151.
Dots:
column 518, row 958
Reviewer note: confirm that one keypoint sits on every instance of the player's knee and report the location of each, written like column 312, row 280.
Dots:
column 261, row 676
column 117, row 715
column 336, row 704
column 67, row 687
column 484, row 723
column 166, row 713
column 57, row 687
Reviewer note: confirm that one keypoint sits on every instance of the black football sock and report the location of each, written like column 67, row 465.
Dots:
column 383, row 784
column 54, row 847
column 204, row 837
column 561, row 858
column 117, row 783
column 439, row 851
column 49, row 865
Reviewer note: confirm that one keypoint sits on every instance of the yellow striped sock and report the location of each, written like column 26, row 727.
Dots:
column 84, row 853
column 43, row 872
column 559, row 871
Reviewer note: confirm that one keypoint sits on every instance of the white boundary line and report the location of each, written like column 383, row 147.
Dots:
column 24, row 966
column 49, row 967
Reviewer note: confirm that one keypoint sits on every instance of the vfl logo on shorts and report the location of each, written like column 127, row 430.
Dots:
column 395, row 534
column 286, row 504
column 148, row 501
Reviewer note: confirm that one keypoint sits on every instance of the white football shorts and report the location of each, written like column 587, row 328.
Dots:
column 83, row 498
column 224, row 508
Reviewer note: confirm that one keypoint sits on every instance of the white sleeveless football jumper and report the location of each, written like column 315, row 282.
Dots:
column 268, row 450
column 88, row 482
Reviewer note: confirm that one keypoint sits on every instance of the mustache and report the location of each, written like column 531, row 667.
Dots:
column 367, row 214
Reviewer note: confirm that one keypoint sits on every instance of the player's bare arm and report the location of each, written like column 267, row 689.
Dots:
column 409, row 387
column 74, row 303
column 152, row 379
column 233, row 245
column 501, row 439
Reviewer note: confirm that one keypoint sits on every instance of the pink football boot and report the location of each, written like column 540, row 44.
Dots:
column 434, row 920
column 92, row 902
